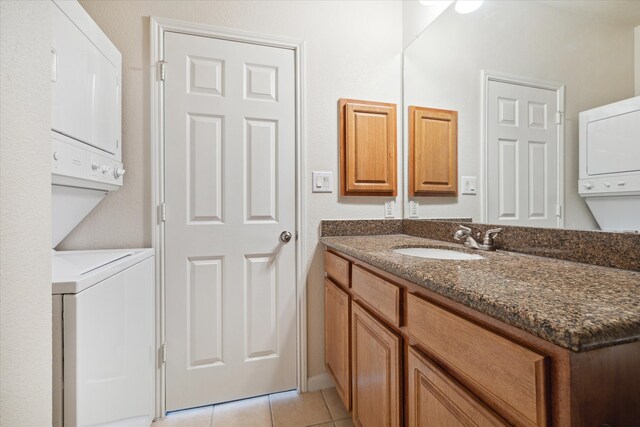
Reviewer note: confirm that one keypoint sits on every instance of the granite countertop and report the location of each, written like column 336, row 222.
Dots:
column 576, row 306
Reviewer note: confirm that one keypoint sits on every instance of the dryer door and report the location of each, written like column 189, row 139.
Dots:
column 85, row 88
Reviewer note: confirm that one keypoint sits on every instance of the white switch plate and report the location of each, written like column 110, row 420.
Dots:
column 388, row 209
column 413, row 209
column 322, row 182
column 469, row 185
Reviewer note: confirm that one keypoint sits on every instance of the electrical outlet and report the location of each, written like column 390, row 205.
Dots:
column 468, row 185
column 388, row 209
column 413, row 209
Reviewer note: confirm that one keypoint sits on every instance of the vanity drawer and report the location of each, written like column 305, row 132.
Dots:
column 337, row 268
column 377, row 293
column 511, row 378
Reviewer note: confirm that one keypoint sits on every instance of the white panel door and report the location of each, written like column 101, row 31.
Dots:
column 522, row 155
column 230, row 193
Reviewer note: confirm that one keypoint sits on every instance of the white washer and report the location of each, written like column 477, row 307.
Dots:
column 103, row 332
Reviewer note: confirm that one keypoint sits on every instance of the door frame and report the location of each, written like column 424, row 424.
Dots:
column 559, row 88
column 159, row 26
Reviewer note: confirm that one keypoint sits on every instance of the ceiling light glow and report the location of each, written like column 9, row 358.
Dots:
column 468, row 6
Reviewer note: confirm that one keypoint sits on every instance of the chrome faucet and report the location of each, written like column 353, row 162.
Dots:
column 464, row 233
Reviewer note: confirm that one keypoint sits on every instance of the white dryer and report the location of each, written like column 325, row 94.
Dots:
column 103, row 338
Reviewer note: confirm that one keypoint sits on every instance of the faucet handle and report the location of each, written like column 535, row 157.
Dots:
column 490, row 235
column 462, row 232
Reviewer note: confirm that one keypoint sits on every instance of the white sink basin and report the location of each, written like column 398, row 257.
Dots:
column 434, row 253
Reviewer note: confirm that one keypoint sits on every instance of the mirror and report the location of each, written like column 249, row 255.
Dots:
column 578, row 53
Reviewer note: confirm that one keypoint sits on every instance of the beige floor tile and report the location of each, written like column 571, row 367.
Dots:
column 324, row 425
column 344, row 423
column 334, row 403
column 291, row 409
column 243, row 413
column 198, row 417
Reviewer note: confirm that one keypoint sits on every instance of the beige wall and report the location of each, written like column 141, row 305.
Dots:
column 442, row 69
column 25, row 214
column 416, row 17
column 636, row 38
column 353, row 49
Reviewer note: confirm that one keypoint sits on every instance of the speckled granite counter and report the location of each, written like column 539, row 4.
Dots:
column 576, row 306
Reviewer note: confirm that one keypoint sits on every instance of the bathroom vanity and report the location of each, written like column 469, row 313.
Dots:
column 510, row 339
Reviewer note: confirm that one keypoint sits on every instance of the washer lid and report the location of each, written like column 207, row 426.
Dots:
column 74, row 271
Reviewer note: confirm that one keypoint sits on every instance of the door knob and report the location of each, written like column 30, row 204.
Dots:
column 285, row 236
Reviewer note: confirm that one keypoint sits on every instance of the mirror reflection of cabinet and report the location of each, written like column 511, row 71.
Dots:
column 368, row 141
column 433, row 152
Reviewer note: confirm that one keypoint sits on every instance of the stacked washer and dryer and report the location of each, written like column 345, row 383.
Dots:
column 103, row 300
column 610, row 164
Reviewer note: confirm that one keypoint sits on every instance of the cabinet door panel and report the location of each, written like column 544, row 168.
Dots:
column 376, row 371
column 336, row 330
column 368, row 140
column 433, row 152
column 437, row 400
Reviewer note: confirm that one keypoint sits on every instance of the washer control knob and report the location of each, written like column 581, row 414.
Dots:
column 95, row 166
column 606, row 184
column 105, row 169
column 118, row 172
column 588, row 185
column 56, row 155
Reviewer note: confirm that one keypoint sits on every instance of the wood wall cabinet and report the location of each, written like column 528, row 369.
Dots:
column 433, row 152
column 336, row 346
column 376, row 371
column 368, row 147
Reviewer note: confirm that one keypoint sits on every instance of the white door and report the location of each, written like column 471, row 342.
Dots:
column 229, row 193
column 522, row 156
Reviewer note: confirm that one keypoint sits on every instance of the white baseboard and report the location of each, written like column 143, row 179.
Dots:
column 319, row 382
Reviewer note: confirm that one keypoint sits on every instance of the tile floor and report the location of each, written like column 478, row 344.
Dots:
column 289, row 409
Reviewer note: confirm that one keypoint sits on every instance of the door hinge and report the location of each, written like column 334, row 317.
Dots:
column 558, row 211
column 163, row 353
column 162, row 64
column 558, row 117
column 163, row 212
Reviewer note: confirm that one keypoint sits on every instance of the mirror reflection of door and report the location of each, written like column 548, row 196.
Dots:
column 523, row 152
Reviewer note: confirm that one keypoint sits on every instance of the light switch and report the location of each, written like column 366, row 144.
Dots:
column 322, row 182
column 469, row 185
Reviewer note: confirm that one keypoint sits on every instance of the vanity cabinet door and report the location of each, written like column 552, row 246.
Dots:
column 375, row 359
column 435, row 399
column 368, row 141
column 336, row 339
